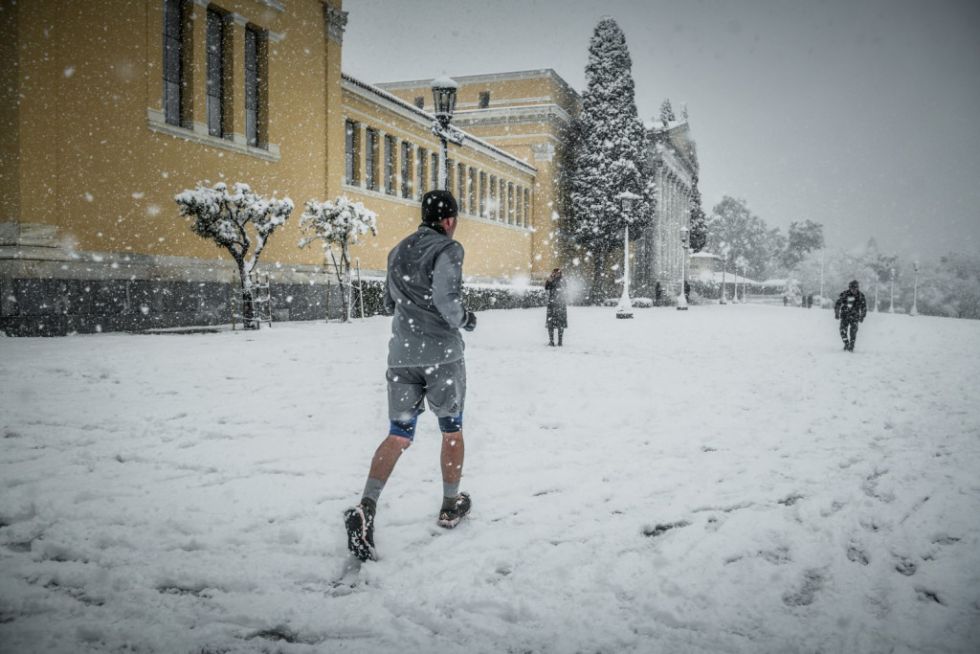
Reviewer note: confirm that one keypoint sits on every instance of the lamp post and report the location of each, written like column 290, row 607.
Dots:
column 444, row 101
column 682, row 297
column 627, row 202
column 891, row 305
column 915, row 288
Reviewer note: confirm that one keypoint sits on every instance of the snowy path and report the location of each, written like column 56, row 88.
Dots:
column 721, row 480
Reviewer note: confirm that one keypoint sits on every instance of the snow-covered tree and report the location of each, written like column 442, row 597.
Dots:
column 699, row 222
column 338, row 224
column 609, row 154
column 804, row 237
column 224, row 217
column 735, row 230
column 667, row 113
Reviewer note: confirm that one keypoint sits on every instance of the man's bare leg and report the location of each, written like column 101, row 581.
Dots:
column 452, row 462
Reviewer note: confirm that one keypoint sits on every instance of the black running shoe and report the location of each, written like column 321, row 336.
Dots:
column 449, row 518
column 360, row 532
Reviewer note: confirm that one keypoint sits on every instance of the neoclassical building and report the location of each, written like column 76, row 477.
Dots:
column 109, row 109
column 661, row 252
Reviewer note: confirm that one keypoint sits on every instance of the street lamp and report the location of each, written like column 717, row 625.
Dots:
column 891, row 306
column 682, row 297
column 444, row 101
column 915, row 288
column 627, row 202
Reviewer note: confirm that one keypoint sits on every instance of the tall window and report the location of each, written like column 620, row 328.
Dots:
column 216, row 38
column 174, row 71
column 517, row 205
column 483, row 194
column 484, row 99
column 435, row 171
column 493, row 198
column 421, row 164
column 352, row 152
column 461, row 186
column 510, row 203
column 471, row 191
column 527, row 208
column 406, row 169
column 256, row 86
column 450, row 175
column 389, row 164
column 371, row 155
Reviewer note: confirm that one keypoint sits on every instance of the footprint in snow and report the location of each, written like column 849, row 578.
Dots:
column 813, row 581
column 858, row 554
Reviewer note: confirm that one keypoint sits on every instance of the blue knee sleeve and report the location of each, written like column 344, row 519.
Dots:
column 451, row 424
column 403, row 428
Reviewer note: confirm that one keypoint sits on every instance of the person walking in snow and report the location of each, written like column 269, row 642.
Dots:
column 556, row 316
column 850, row 308
column 423, row 290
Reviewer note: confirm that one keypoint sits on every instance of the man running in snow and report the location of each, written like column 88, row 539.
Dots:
column 425, row 361
column 850, row 309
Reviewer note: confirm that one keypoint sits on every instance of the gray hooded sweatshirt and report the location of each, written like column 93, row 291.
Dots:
column 424, row 291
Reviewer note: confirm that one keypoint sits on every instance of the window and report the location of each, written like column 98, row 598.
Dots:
column 256, row 86
column 371, row 154
column 510, row 203
column 483, row 194
column 517, row 205
column 420, row 101
column 450, row 174
column 471, row 191
column 389, row 164
column 527, row 208
column 421, row 162
column 352, row 152
column 216, row 39
column 406, row 169
column 435, row 170
column 484, row 99
column 461, row 186
column 493, row 197
column 175, row 31
column 503, row 201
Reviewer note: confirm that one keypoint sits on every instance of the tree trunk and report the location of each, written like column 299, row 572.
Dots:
column 598, row 278
column 248, row 307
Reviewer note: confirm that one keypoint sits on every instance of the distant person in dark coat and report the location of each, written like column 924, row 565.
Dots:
column 557, row 314
column 850, row 309
column 809, row 301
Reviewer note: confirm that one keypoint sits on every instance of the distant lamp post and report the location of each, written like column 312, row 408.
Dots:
column 444, row 101
column 682, row 297
column 627, row 203
column 891, row 305
column 915, row 288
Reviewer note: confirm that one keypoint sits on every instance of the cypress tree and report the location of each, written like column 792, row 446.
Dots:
column 610, row 153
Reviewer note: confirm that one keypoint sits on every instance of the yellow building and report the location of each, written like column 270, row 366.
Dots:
column 109, row 109
column 528, row 114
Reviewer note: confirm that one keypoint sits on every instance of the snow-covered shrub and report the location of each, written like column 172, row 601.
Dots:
column 223, row 216
column 338, row 224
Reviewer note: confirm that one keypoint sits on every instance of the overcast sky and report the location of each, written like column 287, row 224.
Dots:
column 858, row 114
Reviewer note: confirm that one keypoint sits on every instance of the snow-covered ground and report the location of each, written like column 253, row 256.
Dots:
column 721, row 480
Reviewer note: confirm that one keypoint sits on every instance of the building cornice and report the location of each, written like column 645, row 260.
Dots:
column 491, row 77
column 336, row 23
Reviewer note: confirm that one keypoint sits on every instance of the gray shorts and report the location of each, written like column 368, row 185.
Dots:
column 443, row 385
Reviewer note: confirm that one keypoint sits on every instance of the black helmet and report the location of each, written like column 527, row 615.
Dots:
column 438, row 205
column 853, row 285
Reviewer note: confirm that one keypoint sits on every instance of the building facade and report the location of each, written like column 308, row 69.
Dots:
column 109, row 109
column 662, row 257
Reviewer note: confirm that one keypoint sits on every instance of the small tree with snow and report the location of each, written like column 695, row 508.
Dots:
column 224, row 216
column 667, row 113
column 338, row 224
